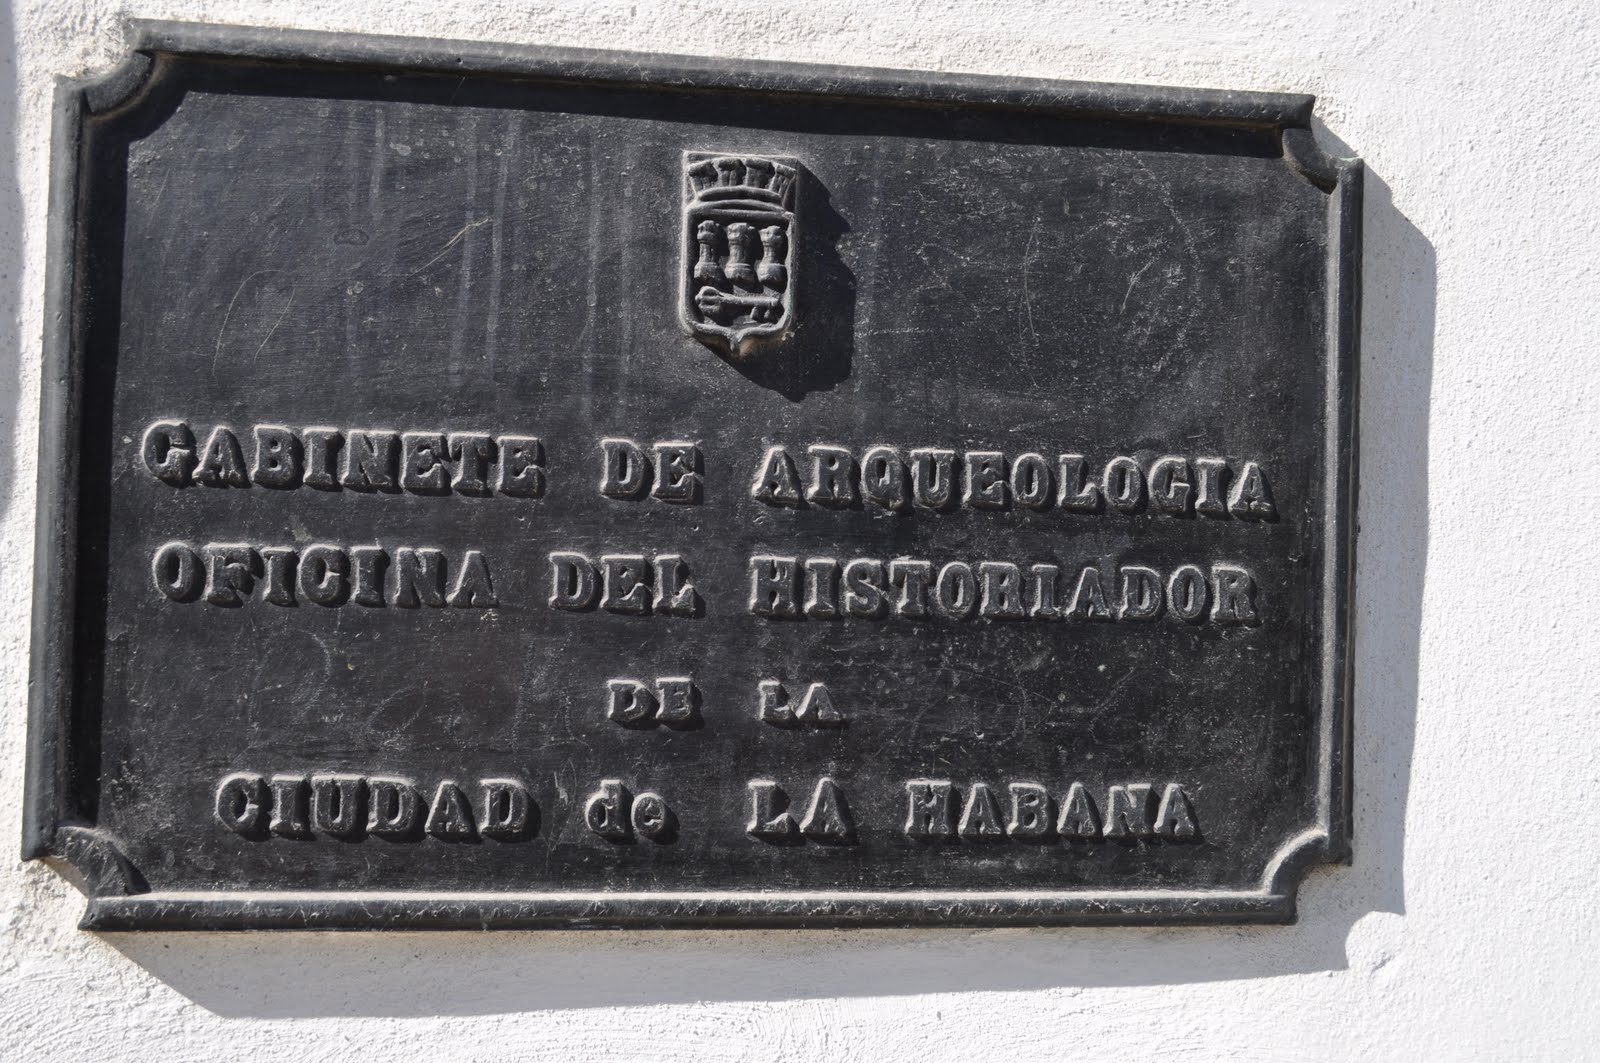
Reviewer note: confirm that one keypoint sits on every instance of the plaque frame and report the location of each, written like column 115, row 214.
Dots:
column 58, row 824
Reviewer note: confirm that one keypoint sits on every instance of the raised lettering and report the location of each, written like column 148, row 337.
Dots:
column 241, row 803
column 1031, row 484
column 450, row 814
column 323, row 570
column 178, row 572
column 1233, row 596
column 911, row 578
column 508, row 810
column 955, row 593
column 394, row 808
column 1210, row 499
column 829, row 820
column 322, row 446
column 419, row 577
column 474, row 589
column 774, row 586
column 930, row 809
column 933, row 478
column 675, row 595
column 980, row 816
column 1000, row 596
column 278, row 456
column 1169, row 486
column 290, row 807
column 1186, row 593
column 1076, row 491
column 1141, row 593
column 679, row 701
column 1124, row 484
column 221, row 461
column 864, row 589
column 776, row 483
column 884, row 479
column 168, row 452
column 472, row 453
column 769, row 812
column 630, row 703
column 1251, row 498
column 1175, row 817
column 1045, row 582
column 1030, row 812
column 816, row 708
column 231, row 570
column 772, row 704
column 371, row 461
column 1128, row 811
column 367, row 564
column 821, row 579
column 652, row 818
column 338, row 804
column 833, row 476
column 624, row 470
column 1089, row 599
column 625, row 586
column 422, row 466
column 572, row 581
column 280, row 567
column 1080, row 819
column 678, row 475
column 521, row 466
column 985, row 481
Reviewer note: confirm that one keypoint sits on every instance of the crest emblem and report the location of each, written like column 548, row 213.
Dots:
column 738, row 275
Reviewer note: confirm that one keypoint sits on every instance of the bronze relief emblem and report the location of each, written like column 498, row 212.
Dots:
column 738, row 273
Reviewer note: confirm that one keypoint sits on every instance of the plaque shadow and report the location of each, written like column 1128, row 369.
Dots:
column 1349, row 915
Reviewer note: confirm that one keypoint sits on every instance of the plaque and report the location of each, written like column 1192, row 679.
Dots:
column 485, row 486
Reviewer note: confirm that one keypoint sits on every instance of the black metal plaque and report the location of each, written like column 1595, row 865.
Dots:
column 487, row 486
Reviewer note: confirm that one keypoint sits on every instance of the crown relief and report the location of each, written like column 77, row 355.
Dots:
column 731, row 177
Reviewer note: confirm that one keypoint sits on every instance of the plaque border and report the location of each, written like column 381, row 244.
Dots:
column 58, row 826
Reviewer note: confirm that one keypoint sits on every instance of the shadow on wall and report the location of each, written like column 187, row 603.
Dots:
column 321, row 974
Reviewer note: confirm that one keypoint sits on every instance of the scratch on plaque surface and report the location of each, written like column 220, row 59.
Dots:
column 222, row 330
column 464, row 230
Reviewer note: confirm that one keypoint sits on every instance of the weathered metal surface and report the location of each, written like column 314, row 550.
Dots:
column 491, row 486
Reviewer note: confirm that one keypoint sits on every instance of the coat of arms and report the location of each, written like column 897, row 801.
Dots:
column 739, row 250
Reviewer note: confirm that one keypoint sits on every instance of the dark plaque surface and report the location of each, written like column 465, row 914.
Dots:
column 506, row 487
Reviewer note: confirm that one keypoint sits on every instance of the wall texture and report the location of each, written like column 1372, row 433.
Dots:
column 1466, row 928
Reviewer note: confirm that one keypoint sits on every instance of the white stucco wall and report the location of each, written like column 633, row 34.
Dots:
column 1467, row 927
